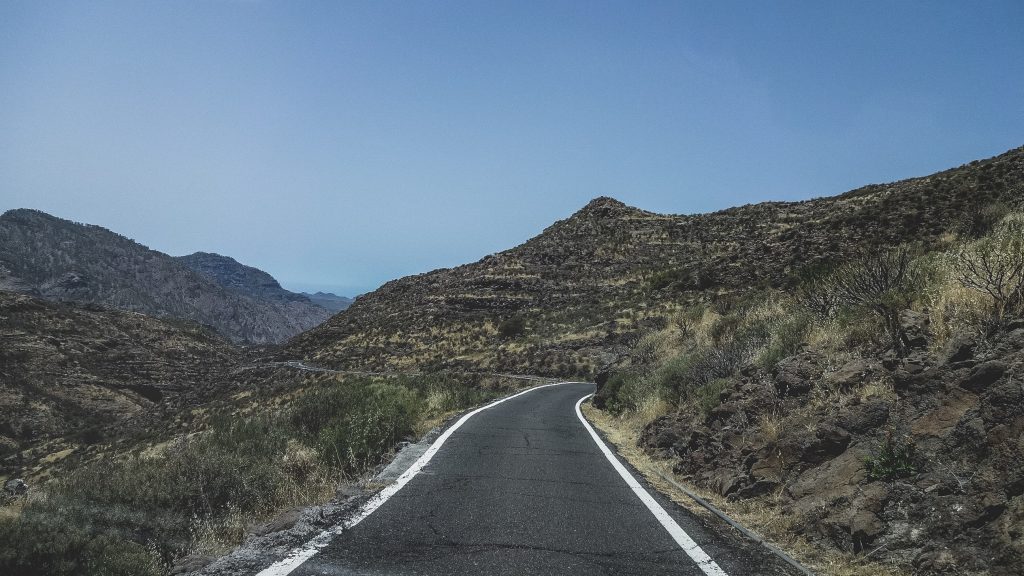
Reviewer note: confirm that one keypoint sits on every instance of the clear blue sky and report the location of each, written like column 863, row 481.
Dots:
column 342, row 144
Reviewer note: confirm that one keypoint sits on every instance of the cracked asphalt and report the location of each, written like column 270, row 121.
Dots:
column 522, row 488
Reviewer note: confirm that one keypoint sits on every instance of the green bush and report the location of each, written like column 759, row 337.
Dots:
column 512, row 327
column 895, row 458
column 707, row 397
column 354, row 425
column 625, row 391
column 785, row 340
column 46, row 541
column 135, row 515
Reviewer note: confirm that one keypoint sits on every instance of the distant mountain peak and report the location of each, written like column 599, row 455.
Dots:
column 62, row 260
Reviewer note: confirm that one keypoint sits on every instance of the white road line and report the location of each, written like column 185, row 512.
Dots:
column 692, row 549
column 309, row 549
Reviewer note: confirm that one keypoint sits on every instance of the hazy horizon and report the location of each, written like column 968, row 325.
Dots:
column 340, row 145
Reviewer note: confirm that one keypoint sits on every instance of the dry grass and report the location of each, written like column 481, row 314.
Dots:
column 954, row 309
column 762, row 515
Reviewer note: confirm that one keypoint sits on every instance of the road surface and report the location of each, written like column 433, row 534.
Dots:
column 523, row 487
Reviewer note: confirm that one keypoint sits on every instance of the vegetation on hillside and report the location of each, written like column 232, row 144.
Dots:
column 880, row 376
column 134, row 514
column 588, row 286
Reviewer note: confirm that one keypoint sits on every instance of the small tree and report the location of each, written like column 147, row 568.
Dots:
column 816, row 296
column 881, row 282
column 994, row 266
column 686, row 322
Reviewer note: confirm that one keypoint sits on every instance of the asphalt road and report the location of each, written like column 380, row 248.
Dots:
column 523, row 488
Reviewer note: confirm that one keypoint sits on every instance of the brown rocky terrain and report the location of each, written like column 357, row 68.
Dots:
column 566, row 302
column 65, row 261
column 84, row 373
column 916, row 461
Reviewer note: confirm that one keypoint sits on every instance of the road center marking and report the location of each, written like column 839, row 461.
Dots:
column 692, row 549
column 295, row 559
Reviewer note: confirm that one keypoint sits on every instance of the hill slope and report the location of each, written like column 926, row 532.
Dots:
column 77, row 370
column 564, row 302
column 66, row 261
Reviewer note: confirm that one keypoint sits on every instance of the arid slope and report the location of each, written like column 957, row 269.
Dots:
column 564, row 302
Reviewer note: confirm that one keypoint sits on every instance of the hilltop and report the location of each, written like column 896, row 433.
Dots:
column 570, row 300
column 66, row 261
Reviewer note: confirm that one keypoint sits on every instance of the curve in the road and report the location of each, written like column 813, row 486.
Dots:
column 520, row 488
column 692, row 549
column 288, row 564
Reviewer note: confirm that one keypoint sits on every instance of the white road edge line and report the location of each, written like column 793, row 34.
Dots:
column 303, row 553
column 692, row 549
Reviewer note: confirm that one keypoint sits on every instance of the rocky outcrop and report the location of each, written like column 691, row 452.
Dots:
column 69, row 262
column 930, row 476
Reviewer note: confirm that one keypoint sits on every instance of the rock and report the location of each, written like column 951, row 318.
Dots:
column 851, row 375
column 283, row 522
column 984, row 375
column 960, row 349
column 808, row 448
column 767, row 466
column 864, row 527
column 725, row 482
column 600, row 399
column 1009, row 528
column 916, row 328
column 664, row 438
column 939, row 421
column 830, row 441
column 935, row 561
column 758, row 488
column 192, row 563
column 864, row 418
column 15, row 487
column 794, row 376
column 835, row 478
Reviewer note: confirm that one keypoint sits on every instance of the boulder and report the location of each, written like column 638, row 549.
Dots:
column 916, row 328
column 960, row 349
column 795, row 375
column 983, row 375
column 15, row 487
column 852, row 374
column 833, row 479
column 809, row 448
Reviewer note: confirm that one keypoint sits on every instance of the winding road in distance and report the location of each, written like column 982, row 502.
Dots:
column 525, row 487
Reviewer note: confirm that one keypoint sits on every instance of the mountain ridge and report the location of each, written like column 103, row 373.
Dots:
column 589, row 281
column 61, row 260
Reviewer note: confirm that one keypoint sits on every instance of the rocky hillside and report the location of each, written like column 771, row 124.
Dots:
column 913, row 461
column 566, row 301
column 83, row 372
column 258, row 285
column 65, row 261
